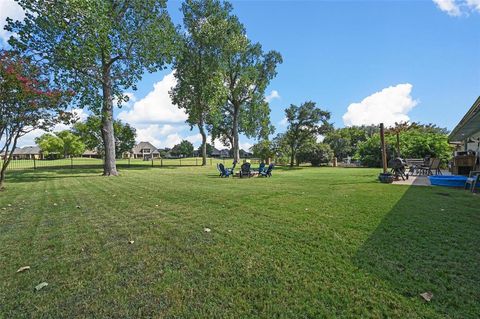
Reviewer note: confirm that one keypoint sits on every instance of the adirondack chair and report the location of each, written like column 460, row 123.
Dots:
column 245, row 170
column 261, row 168
column 472, row 181
column 268, row 172
column 223, row 171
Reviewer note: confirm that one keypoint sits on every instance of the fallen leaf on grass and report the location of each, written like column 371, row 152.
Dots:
column 78, row 207
column 427, row 296
column 9, row 205
column 22, row 269
column 41, row 286
column 54, row 204
column 131, row 241
column 207, row 230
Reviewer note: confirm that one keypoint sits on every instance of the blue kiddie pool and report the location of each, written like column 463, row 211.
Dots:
column 448, row 181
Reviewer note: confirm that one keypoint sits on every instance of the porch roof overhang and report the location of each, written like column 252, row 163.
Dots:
column 469, row 125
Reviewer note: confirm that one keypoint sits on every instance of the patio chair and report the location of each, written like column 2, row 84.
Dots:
column 268, row 172
column 261, row 168
column 223, row 171
column 472, row 181
column 434, row 169
column 245, row 170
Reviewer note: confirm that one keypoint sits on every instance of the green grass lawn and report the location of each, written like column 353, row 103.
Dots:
column 82, row 162
column 306, row 243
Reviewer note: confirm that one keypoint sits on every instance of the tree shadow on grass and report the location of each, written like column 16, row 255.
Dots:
column 429, row 242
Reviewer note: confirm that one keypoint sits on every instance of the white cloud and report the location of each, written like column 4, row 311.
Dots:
column 29, row 138
column 458, row 7
column 283, row 122
column 390, row 105
column 245, row 146
column 448, row 6
column 156, row 107
column 474, row 4
column 8, row 8
column 273, row 95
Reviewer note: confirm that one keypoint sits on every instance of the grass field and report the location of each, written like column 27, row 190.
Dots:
column 306, row 243
column 82, row 162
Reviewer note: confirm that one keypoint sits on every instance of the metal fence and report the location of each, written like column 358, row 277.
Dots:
column 81, row 162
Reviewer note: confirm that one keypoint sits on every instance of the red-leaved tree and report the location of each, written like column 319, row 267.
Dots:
column 28, row 101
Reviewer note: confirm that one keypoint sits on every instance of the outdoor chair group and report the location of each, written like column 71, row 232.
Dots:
column 245, row 170
column 429, row 166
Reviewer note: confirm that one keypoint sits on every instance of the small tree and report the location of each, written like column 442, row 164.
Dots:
column 63, row 143
column 264, row 150
column 90, row 134
column 184, row 149
column 315, row 153
column 100, row 48
column 305, row 123
column 28, row 101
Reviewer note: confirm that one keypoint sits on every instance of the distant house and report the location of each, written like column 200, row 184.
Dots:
column 27, row 152
column 91, row 154
column 220, row 153
column 144, row 150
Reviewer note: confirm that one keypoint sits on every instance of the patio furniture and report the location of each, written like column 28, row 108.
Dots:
column 261, row 168
column 268, row 172
column 472, row 181
column 223, row 171
column 414, row 165
column 245, row 170
column 433, row 167
column 398, row 168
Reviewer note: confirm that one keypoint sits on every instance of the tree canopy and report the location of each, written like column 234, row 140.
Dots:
column 98, row 48
column 60, row 144
column 305, row 123
column 28, row 101
column 90, row 134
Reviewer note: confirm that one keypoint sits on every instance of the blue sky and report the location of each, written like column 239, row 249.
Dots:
column 387, row 60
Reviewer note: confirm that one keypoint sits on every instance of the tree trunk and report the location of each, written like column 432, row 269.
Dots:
column 109, row 163
column 204, row 143
column 292, row 157
column 236, row 144
column 6, row 161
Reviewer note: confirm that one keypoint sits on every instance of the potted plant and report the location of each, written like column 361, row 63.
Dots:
column 386, row 178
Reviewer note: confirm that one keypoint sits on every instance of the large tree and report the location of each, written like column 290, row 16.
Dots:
column 28, row 101
column 100, row 48
column 199, row 87
column 247, row 70
column 305, row 123
column 89, row 132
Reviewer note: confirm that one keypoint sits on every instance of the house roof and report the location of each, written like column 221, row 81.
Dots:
column 137, row 149
column 469, row 125
column 27, row 150
column 90, row 152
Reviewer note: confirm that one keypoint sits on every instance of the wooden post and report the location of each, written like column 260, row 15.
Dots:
column 384, row 149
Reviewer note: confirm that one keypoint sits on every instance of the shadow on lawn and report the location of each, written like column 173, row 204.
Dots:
column 30, row 175
column 429, row 242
